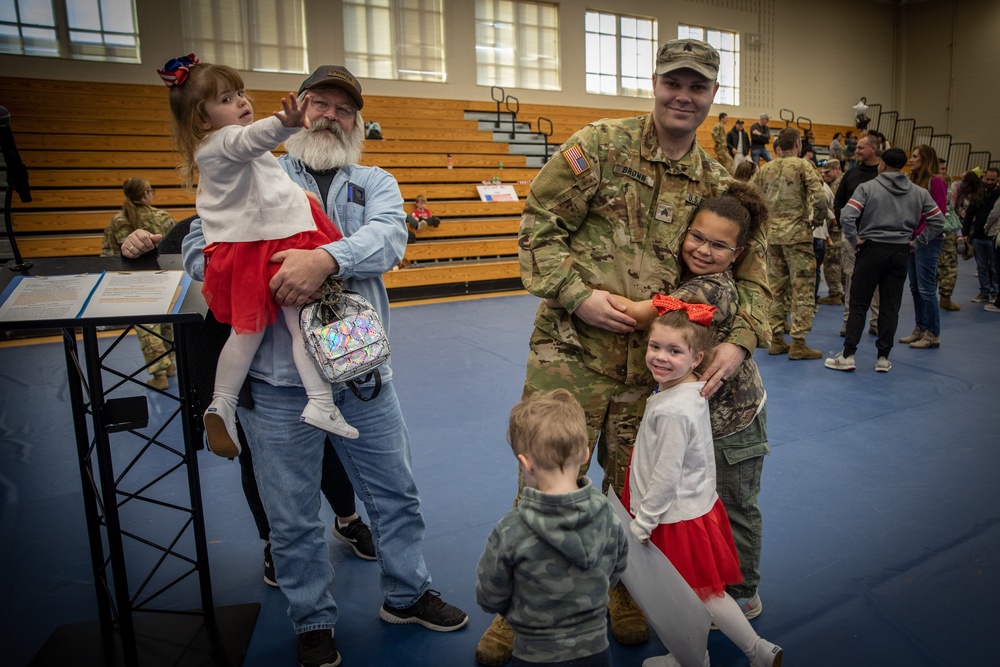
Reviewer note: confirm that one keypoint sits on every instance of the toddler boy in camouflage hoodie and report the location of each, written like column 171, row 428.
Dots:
column 549, row 563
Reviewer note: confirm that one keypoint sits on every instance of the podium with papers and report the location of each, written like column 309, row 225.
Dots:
column 137, row 622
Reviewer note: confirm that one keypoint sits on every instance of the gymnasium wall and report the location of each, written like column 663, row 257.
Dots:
column 814, row 57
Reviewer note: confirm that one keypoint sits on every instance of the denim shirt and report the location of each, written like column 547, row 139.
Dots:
column 374, row 242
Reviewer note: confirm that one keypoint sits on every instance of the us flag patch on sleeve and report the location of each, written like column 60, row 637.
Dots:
column 576, row 159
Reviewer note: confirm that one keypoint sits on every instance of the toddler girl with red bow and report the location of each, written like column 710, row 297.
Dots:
column 670, row 485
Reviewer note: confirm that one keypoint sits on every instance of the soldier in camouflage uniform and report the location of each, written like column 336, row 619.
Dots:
column 561, row 524
column 797, row 204
column 721, row 146
column 138, row 213
column 947, row 272
column 833, row 268
column 606, row 218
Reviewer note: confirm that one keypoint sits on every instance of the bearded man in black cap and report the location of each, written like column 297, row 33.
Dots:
column 366, row 205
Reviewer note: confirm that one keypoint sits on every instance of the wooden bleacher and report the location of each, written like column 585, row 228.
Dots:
column 77, row 166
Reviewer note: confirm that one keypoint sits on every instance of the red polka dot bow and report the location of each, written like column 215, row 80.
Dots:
column 698, row 313
column 175, row 72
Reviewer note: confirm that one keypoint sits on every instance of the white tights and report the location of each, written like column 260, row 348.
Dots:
column 238, row 353
column 729, row 618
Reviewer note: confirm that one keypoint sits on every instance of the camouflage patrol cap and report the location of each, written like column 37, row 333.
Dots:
column 830, row 164
column 688, row 54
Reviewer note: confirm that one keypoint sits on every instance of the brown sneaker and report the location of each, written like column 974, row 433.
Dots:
column 947, row 304
column 628, row 625
column 832, row 300
column 778, row 345
column 496, row 646
column 800, row 350
column 917, row 334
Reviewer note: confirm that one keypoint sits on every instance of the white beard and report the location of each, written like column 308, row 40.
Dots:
column 325, row 146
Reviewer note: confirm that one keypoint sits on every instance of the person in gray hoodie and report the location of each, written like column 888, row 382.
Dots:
column 882, row 220
column 550, row 562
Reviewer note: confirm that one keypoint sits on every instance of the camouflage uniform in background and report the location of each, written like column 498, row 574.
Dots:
column 154, row 221
column 947, row 273
column 722, row 147
column 739, row 431
column 795, row 197
column 609, row 213
column 833, row 268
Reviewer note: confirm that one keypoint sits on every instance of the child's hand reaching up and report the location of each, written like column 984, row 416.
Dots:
column 293, row 113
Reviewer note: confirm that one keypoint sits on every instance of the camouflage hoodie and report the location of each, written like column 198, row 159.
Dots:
column 547, row 569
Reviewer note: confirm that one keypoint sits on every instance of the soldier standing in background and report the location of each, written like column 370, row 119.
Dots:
column 947, row 273
column 138, row 212
column 721, row 149
column 794, row 193
column 833, row 270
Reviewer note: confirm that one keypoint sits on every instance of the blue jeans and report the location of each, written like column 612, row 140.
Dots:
column 922, row 272
column 757, row 152
column 288, row 464
column 986, row 267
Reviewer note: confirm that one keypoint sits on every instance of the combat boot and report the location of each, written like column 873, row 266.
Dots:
column 778, row 345
column 926, row 341
column 628, row 625
column 947, row 304
column 832, row 300
column 800, row 350
column 159, row 381
column 917, row 334
column 496, row 646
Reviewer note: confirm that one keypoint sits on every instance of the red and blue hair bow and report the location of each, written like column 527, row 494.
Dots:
column 176, row 71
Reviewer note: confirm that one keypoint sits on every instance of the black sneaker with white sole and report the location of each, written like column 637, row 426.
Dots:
column 317, row 649
column 429, row 611
column 269, row 577
column 358, row 536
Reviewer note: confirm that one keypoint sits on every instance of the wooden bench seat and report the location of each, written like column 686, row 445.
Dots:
column 435, row 192
column 450, row 273
column 504, row 246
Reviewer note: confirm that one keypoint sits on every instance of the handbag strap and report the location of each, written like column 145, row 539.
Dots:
column 353, row 385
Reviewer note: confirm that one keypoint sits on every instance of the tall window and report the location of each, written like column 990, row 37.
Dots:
column 728, row 46
column 80, row 29
column 395, row 39
column 620, row 54
column 258, row 35
column 517, row 44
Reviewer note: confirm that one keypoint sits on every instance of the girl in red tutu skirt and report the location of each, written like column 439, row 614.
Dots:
column 670, row 485
column 249, row 209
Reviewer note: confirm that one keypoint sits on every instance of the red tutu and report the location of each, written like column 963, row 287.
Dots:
column 237, row 274
column 702, row 550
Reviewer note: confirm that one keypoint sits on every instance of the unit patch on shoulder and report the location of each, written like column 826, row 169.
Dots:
column 645, row 179
column 576, row 159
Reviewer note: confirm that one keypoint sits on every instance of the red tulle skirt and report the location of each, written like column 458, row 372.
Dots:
column 702, row 550
column 238, row 274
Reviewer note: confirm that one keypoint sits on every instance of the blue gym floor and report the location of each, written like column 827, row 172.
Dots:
column 881, row 498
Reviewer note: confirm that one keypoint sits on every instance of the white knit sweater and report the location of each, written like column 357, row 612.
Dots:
column 672, row 476
column 243, row 193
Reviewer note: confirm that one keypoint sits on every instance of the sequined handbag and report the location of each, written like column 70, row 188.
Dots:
column 346, row 340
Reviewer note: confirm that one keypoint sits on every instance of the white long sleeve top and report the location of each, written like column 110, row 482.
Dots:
column 672, row 476
column 243, row 193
